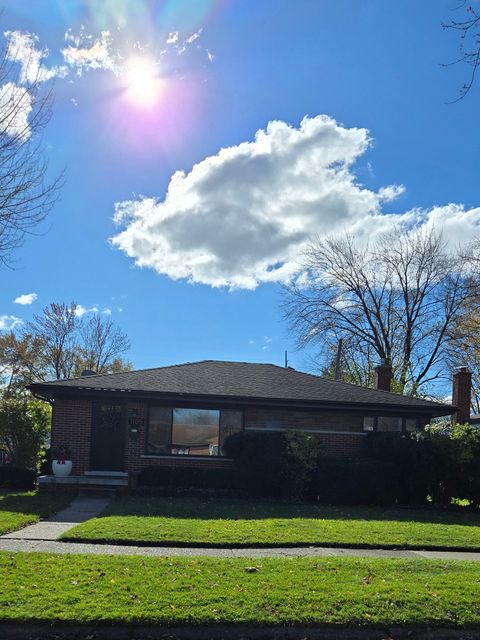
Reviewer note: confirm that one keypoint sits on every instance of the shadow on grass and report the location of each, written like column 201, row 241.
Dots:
column 32, row 503
column 212, row 509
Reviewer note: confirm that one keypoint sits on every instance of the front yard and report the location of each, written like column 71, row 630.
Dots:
column 188, row 522
column 333, row 591
column 18, row 509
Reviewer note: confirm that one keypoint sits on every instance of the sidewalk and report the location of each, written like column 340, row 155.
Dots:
column 52, row 546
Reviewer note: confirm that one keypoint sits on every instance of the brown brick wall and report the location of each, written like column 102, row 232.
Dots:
column 261, row 418
column 347, row 441
column 71, row 425
column 339, row 445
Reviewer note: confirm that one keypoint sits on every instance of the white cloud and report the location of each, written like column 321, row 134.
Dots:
column 107, row 311
column 22, row 48
column 26, row 298
column 81, row 310
column 7, row 323
column 391, row 192
column 87, row 54
column 194, row 36
column 15, row 108
column 172, row 37
column 241, row 217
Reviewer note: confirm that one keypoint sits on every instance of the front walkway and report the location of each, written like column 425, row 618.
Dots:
column 43, row 537
column 54, row 526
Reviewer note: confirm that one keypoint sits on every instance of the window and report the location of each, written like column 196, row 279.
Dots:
column 159, row 430
column 389, row 423
column 195, row 432
column 369, row 423
column 410, row 424
column 190, row 432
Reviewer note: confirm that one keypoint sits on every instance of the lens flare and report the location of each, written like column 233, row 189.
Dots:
column 142, row 80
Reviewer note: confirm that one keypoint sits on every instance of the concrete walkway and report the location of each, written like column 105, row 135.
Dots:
column 54, row 526
column 43, row 537
column 52, row 546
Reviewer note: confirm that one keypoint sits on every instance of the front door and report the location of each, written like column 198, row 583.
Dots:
column 108, row 437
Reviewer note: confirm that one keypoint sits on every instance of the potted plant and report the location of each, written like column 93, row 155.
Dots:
column 61, row 461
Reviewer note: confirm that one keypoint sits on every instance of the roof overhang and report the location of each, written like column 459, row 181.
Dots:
column 50, row 392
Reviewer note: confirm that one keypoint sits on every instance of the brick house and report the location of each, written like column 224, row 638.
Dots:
column 118, row 423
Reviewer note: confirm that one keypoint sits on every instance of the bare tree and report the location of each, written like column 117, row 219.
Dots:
column 102, row 344
column 397, row 301
column 26, row 196
column 468, row 29
column 56, row 329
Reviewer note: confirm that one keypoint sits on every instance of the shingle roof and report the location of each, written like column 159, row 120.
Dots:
column 240, row 380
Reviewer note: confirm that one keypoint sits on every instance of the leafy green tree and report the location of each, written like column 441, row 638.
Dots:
column 24, row 430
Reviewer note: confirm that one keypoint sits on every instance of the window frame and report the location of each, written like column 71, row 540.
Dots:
column 402, row 430
column 171, row 408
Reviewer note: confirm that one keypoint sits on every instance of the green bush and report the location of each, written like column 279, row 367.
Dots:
column 24, row 429
column 12, row 477
column 362, row 481
column 407, row 454
column 184, row 478
column 273, row 463
column 450, row 462
column 438, row 464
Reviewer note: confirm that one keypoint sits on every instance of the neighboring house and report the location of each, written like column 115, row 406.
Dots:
column 181, row 414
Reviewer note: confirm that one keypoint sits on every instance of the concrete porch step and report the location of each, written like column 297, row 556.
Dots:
column 106, row 474
column 85, row 480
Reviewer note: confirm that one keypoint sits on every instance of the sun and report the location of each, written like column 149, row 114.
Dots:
column 143, row 84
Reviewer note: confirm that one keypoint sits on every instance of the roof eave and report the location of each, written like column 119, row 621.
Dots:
column 57, row 389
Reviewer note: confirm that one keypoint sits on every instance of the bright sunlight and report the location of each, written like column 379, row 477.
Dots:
column 143, row 81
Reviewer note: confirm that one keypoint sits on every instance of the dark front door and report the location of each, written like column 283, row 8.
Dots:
column 108, row 437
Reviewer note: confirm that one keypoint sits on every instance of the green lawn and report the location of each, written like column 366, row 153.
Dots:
column 182, row 521
column 19, row 509
column 332, row 591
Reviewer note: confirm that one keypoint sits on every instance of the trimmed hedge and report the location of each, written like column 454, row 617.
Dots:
column 436, row 465
column 185, row 480
column 12, row 477
column 355, row 482
column 274, row 463
column 407, row 454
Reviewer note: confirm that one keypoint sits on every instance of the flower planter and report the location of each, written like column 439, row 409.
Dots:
column 62, row 469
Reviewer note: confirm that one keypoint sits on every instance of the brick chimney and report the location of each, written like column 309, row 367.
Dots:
column 461, row 394
column 383, row 376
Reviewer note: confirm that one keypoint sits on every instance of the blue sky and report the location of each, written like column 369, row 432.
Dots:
column 217, row 249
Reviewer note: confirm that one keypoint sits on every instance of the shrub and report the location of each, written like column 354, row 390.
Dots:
column 450, row 462
column 405, row 452
column 174, row 478
column 372, row 482
column 439, row 463
column 12, row 477
column 24, row 428
column 274, row 464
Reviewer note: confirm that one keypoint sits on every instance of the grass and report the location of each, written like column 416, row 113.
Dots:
column 332, row 591
column 20, row 509
column 187, row 522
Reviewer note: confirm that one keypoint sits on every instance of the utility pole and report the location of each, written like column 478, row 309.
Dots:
column 286, row 360
column 337, row 374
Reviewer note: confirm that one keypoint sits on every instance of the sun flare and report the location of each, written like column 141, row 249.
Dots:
column 143, row 83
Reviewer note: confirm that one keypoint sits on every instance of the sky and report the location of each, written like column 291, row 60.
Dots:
column 205, row 141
